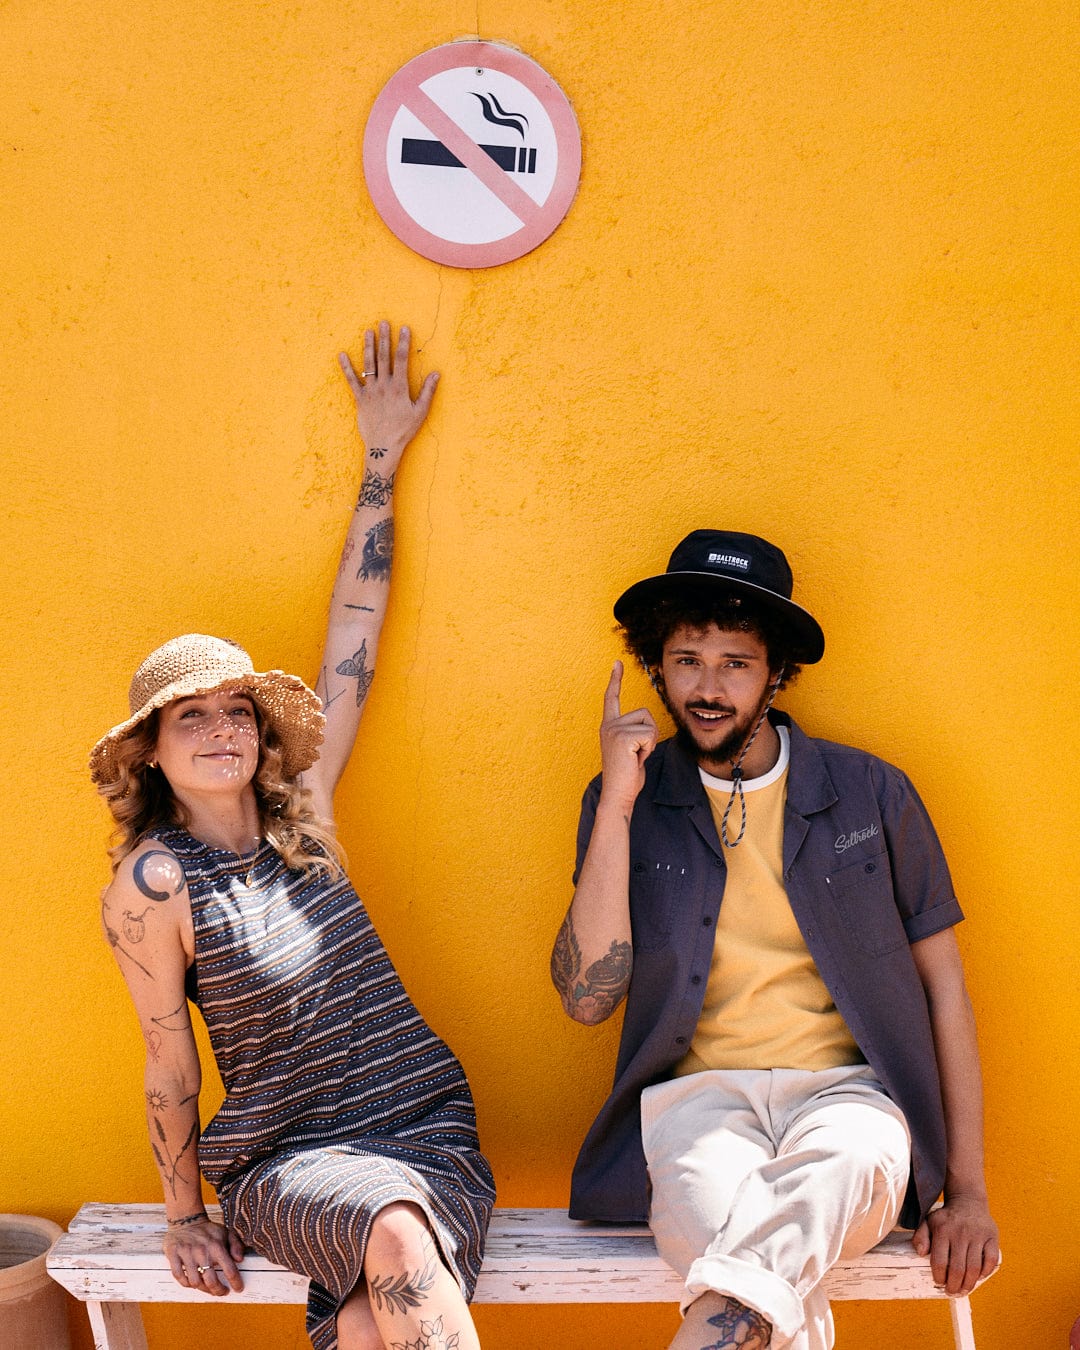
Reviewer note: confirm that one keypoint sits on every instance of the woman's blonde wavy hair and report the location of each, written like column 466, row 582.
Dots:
column 141, row 801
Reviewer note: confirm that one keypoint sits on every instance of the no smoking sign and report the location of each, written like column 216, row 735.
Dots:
column 472, row 154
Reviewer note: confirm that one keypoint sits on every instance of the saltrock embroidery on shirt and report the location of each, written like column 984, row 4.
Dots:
column 845, row 841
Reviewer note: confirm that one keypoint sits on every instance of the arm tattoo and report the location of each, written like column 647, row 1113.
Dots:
column 378, row 551
column 170, row 1166
column 375, row 490
column 356, row 668
column 178, row 1020
column 113, row 939
column 326, row 696
column 134, row 925
column 405, row 1291
column 740, row 1328
column 156, row 869
column 596, row 997
column 156, row 1099
column 377, row 451
column 347, row 550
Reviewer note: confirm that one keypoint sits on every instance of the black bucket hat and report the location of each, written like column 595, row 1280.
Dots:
column 739, row 564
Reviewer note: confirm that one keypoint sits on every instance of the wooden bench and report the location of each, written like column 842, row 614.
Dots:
column 111, row 1259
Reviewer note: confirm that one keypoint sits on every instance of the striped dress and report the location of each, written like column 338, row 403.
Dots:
column 339, row 1099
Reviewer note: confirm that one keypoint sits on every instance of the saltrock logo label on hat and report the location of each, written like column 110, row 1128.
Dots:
column 729, row 560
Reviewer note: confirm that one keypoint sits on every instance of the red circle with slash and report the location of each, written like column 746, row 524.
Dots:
column 472, row 154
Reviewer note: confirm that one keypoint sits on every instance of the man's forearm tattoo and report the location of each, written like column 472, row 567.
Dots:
column 740, row 1328
column 377, row 451
column 595, row 997
column 375, row 490
column 399, row 1293
column 378, row 552
column 356, row 668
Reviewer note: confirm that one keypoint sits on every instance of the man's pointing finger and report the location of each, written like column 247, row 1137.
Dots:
column 611, row 693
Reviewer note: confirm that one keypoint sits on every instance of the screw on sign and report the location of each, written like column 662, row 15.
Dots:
column 472, row 154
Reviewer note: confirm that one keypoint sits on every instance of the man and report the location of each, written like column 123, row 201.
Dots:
column 798, row 1068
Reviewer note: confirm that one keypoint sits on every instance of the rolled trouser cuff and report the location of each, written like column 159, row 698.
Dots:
column 753, row 1286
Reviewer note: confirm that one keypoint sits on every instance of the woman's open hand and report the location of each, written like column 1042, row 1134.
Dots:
column 386, row 414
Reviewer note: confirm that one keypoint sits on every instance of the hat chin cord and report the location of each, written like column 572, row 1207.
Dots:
column 737, row 774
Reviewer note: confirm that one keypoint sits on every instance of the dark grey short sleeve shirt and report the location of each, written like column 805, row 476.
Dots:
column 866, row 878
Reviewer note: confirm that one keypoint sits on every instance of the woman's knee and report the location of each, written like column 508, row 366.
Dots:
column 400, row 1236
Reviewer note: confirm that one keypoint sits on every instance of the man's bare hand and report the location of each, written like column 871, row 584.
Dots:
column 626, row 742
column 961, row 1240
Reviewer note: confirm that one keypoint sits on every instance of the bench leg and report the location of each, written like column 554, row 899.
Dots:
column 117, row 1326
column 963, row 1331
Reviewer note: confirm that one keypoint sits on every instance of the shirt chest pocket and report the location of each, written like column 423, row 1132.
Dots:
column 862, row 894
column 656, row 893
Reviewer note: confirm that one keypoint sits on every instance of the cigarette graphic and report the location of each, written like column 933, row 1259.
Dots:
column 512, row 158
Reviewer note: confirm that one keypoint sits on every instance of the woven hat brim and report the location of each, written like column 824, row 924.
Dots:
column 292, row 709
column 807, row 637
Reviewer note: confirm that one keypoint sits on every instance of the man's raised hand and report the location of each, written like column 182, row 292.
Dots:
column 626, row 742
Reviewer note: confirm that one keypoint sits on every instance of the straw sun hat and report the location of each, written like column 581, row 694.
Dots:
column 197, row 664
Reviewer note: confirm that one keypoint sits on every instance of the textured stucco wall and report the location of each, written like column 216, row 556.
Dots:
column 819, row 283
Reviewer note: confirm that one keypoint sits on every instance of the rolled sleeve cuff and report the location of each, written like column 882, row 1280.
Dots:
column 753, row 1286
column 930, row 921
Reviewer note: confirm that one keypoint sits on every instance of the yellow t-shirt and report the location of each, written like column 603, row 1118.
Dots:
column 766, row 1006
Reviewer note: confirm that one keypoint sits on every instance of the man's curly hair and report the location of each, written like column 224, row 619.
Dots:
column 646, row 628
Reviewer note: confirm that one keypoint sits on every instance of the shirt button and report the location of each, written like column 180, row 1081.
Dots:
column 706, row 922
column 680, row 1040
column 695, row 979
column 718, row 862
column 871, row 867
column 639, row 867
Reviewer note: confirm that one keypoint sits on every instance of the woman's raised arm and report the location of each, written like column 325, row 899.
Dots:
column 387, row 418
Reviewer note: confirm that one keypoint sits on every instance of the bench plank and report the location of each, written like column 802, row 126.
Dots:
column 113, row 1252
column 111, row 1259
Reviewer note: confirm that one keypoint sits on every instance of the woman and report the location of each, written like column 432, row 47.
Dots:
column 346, row 1146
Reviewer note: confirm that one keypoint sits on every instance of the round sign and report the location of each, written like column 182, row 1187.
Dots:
column 472, row 154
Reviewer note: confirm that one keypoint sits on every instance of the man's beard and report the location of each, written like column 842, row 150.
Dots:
column 723, row 752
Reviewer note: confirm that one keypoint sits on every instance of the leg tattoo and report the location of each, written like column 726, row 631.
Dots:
column 740, row 1328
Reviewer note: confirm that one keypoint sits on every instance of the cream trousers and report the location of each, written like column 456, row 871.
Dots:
column 763, row 1178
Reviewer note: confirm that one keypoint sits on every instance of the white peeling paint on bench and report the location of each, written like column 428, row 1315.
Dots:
column 111, row 1259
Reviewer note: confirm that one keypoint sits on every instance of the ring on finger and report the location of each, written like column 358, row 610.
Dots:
column 366, row 373
column 202, row 1269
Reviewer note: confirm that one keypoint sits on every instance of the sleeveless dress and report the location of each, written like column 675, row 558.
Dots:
column 339, row 1099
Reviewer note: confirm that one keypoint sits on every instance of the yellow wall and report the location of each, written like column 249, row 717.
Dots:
column 819, row 283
